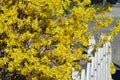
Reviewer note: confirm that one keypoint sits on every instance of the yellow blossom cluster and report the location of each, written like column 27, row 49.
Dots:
column 115, row 30
column 40, row 39
column 112, row 68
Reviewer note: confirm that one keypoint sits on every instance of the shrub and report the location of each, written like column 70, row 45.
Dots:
column 41, row 39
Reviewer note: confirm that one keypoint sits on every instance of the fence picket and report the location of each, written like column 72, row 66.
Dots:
column 88, row 71
column 92, row 68
column 83, row 74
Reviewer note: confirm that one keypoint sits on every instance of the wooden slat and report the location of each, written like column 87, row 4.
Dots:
column 96, row 65
column 83, row 76
column 99, row 67
column 92, row 69
column 104, row 64
column 88, row 71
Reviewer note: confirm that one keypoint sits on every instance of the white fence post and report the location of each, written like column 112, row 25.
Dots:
column 92, row 75
column 99, row 67
column 96, row 67
column 83, row 76
column 104, row 62
column 88, row 71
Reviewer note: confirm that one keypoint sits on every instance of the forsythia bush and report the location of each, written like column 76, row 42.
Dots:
column 40, row 39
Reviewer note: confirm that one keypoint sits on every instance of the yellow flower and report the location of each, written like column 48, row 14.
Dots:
column 112, row 68
column 11, row 67
column 111, row 64
column 112, row 71
column 109, row 9
column 35, row 25
column 34, row 78
column 21, row 5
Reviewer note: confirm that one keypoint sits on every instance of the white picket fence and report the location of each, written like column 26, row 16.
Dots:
column 99, row 67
